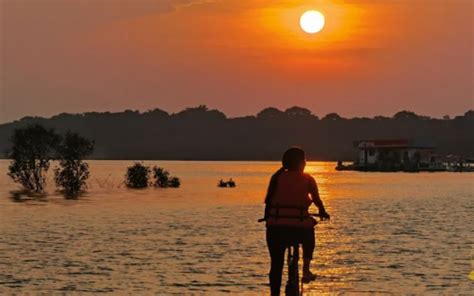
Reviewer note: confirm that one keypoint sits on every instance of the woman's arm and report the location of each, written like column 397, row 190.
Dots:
column 313, row 190
column 271, row 189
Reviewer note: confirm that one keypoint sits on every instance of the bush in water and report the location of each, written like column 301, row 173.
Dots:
column 32, row 149
column 72, row 173
column 137, row 176
column 163, row 179
column 174, row 182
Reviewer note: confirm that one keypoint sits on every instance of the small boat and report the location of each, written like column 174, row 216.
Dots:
column 223, row 184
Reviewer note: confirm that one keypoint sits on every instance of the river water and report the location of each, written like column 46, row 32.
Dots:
column 391, row 233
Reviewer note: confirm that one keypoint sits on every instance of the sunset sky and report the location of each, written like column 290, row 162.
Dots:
column 239, row 56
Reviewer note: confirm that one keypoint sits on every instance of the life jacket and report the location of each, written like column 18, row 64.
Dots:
column 290, row 201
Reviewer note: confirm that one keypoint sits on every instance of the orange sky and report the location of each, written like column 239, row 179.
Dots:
column 373, row 57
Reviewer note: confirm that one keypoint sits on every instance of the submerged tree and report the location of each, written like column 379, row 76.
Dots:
column 174, row 182
column 72, row 173
column 32, row 149
column 163, row 179
column 137, row 176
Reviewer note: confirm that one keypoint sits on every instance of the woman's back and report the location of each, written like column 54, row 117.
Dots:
column 290, row 201
column 292, row 190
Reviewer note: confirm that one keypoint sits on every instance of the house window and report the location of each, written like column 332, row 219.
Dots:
column 371, row 152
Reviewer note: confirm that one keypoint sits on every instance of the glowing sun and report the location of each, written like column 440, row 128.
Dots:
column 312, row 21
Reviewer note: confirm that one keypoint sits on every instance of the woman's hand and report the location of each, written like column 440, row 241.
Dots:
column 324, row 215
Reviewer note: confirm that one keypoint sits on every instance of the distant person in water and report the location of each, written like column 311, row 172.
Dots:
column 289, row 195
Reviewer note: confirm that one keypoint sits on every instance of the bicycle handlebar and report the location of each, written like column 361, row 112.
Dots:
column 311, row 215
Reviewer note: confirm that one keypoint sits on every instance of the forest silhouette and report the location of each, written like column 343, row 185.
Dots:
column 201, row 134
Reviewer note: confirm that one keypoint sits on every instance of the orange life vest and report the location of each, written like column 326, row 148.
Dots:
column 290, row 201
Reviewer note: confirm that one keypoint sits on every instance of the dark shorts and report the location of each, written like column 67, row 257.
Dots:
column 279, row 237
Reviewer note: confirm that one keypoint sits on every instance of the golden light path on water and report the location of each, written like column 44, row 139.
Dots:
column 390, row 233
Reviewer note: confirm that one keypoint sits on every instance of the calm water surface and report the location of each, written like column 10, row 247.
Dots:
column 390, row 233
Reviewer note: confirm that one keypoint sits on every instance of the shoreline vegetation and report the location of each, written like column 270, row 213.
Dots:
column 138, row 177
column 200, row 134
column 34, row 147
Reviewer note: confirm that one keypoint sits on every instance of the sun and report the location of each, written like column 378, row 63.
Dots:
column 312, row 21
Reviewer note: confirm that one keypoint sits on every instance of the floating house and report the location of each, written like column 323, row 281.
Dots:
column 394, row 155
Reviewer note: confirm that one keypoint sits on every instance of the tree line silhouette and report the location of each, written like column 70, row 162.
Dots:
column 199, row 133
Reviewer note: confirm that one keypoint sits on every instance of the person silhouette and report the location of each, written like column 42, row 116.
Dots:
column 289, row 195
column 222, row 183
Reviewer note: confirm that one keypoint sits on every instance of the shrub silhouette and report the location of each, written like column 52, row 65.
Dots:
column 137, row 176
column 163, row 179
column 32, row 149
column 72, row 173
column 174, row 182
